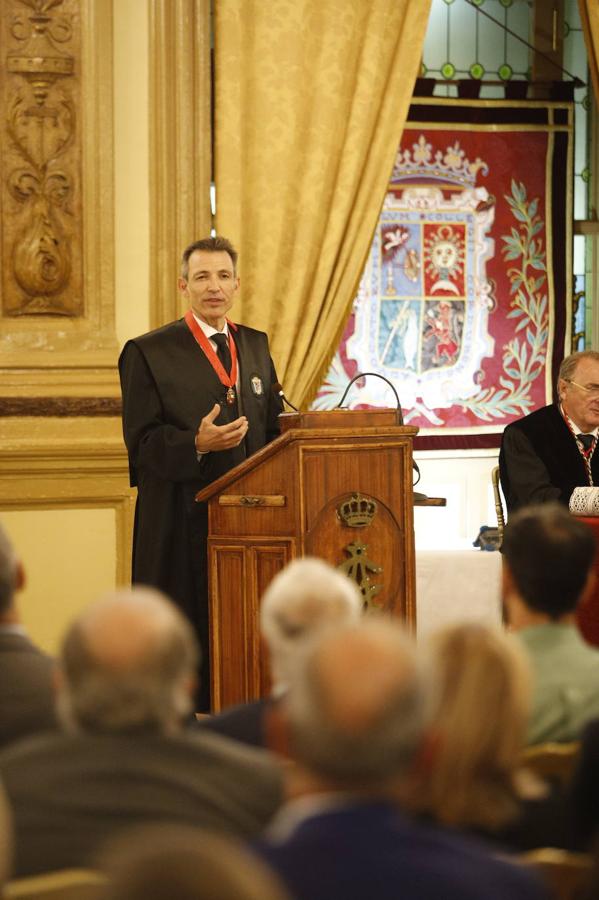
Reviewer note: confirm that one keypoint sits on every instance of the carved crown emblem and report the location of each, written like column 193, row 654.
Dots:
column 357, row 511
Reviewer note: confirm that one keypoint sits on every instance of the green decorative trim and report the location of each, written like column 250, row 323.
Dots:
column 505, row 72
column 523, row 357
column 448, row 70
column 477, row 70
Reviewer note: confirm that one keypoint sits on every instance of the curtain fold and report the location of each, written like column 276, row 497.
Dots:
column 589, row 16
column 310, row 102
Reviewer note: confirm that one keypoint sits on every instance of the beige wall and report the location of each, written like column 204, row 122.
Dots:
column 131, row 171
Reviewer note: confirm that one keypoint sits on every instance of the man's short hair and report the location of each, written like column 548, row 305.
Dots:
column 109, row 688
column 549, row 554
column 8, row 572
column 216, row 244
column 307, row 596
column 570, row 363
column 359, row 705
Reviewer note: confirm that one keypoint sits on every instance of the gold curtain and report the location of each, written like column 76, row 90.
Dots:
column 589, row 16
column 310, row 102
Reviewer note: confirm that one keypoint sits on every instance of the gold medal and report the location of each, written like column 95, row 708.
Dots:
column 231, row 396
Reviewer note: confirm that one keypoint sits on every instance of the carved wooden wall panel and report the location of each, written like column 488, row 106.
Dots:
column 57, row 333
column 41, row 191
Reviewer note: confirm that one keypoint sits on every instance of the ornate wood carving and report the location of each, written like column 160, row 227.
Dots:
column 41, row 196
column 57, row 323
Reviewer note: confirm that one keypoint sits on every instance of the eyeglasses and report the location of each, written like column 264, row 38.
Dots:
column 592, row 390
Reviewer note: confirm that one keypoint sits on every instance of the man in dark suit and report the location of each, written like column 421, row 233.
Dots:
column 26, row 692
column 548, row 453
column 197, row 399
column 126, row 678
column 354, row 720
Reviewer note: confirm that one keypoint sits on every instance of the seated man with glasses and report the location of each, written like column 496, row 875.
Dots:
column 548, row 453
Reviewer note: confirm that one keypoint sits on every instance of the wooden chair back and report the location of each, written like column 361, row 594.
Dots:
column 65, row 884
column 567, row 874
column 498, row 500
column 551, row 761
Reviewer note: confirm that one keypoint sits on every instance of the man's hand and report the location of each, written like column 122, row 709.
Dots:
column 219, row 437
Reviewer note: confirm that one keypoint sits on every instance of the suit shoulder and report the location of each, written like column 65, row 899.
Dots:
column 249, row 333
column 547, row 415
column 158, row 335
column 153, row 344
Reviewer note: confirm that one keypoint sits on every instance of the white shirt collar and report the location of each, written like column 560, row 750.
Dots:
column 209, row 330
column 296, row 811
column 12, row 628
column 576, row 427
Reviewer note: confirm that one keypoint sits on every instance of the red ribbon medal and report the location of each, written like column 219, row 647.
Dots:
column 229, row 381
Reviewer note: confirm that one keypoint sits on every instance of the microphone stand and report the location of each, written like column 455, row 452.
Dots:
column 398, row 407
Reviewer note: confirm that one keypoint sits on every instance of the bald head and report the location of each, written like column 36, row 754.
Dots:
column 126, row 629
column 357, row 707
column 128, row 663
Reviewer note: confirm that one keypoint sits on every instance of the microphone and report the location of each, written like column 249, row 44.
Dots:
column 399, row 411
column 376, row 375
column 278, row 390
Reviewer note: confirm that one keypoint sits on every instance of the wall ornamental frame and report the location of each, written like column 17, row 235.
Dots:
column 57, row 322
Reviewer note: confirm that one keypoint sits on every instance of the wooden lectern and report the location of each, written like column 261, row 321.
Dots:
column 335, row 484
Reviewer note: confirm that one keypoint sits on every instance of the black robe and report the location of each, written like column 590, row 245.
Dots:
column 168, row 386
column 540, row 461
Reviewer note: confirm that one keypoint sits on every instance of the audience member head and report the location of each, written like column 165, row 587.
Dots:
column 11, row 575
column 548, row 557
column 356, row 711
column 482, row 693
column 302, row 600
column 216, row 244
column 127, row 664
column 165, row 862
column 578, row 388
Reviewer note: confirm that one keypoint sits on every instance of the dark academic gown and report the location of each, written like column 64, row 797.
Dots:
column 168, row 386
column 539, row 460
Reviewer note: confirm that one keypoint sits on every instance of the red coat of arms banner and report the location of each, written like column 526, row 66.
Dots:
column 464, row 304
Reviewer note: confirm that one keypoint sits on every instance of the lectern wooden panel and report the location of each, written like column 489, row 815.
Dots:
column 337, row 485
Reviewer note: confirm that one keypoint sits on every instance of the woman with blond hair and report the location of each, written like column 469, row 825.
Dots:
column 471, row 776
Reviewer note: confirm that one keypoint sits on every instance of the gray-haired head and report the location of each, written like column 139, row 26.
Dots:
column 9, row 572
column 359, row 706
column 307, row 597
column 128, row 664
column 567, row 369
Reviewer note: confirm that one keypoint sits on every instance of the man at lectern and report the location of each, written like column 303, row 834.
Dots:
column 197, row 399
column 548, row 453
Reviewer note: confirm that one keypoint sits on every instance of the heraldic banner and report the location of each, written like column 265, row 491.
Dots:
column 465, row 301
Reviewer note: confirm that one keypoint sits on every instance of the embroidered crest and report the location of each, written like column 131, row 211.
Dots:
column 424, row 303
column 257, row 386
